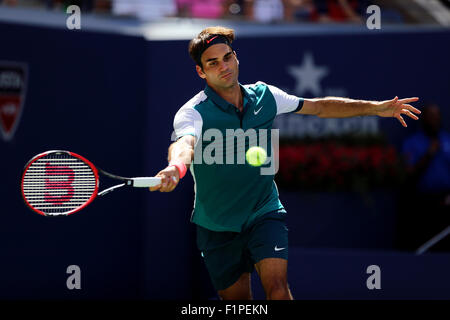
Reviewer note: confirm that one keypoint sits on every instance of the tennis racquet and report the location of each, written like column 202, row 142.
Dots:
column 59, row 182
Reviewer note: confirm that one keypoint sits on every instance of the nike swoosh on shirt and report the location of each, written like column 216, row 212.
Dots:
column 257, row 111
column 278, row 249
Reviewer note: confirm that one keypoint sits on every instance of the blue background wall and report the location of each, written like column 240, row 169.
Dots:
column 112, row 99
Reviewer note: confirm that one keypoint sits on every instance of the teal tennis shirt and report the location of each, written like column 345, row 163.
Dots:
column 229, row 193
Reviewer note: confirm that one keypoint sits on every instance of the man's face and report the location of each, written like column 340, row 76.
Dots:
column 220, row 66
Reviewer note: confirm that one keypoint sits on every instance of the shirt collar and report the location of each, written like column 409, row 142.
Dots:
column 248, row 96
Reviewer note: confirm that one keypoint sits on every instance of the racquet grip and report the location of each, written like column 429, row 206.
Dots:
column 180, row 166
column 145, row 182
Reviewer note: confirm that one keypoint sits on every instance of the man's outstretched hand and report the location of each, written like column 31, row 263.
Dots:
column 397, row 107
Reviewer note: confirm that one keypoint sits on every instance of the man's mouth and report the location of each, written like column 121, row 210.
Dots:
column 226, row 75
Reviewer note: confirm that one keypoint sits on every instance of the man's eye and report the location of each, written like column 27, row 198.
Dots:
column 213, row 63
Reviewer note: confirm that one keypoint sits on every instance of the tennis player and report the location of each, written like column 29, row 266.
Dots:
column 240, row 219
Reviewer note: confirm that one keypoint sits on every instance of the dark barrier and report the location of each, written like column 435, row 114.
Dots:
column 112, row 99
column 341, row 274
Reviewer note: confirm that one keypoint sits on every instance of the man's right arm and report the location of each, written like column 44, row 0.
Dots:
column 180, row 151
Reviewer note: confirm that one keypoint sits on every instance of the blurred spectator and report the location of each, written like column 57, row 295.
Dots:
column 85, row 5
column 299, row 10
column 427, row 156
column 428, row 153
column 237, row 9
column 9, row 2
column 265, row 10
column 208, row 9
column 144, row 9
column 339, row 10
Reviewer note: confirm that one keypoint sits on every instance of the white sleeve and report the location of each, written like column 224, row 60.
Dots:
column 285, row 102
column 187, row 121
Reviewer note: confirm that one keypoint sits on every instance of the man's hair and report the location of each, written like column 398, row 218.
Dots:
column 199, row 43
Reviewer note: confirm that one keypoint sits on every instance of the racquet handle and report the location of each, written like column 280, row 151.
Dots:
column 145, row 182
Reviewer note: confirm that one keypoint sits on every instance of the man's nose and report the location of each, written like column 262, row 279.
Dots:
column 223, row 65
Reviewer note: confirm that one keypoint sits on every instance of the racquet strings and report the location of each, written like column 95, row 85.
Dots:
column 58, row 183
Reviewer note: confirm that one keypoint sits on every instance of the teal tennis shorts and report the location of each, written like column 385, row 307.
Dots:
column 228, row 255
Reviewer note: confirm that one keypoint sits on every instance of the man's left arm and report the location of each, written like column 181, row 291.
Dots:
column 334, row 107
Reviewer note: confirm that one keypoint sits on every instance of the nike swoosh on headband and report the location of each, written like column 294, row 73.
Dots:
column 208, row 41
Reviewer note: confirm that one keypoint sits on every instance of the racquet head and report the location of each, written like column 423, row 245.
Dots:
column 56, row 183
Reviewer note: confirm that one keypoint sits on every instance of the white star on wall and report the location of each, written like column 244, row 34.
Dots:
column 308, row 76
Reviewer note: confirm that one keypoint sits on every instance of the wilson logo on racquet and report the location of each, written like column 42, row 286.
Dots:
column 59, row 184
column 13, row 80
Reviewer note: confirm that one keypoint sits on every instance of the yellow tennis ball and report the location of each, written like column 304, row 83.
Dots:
column 256, row 156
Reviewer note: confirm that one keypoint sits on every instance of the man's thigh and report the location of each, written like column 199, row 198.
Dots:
column 268, row 247
column 225, row 257
column 273, row 275
column 240, row 290
column 268, row 238
column 271, row 270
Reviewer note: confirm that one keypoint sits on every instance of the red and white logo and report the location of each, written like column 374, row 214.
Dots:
column 13, row 81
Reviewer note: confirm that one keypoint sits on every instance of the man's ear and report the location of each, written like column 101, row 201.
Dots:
column 200, row 72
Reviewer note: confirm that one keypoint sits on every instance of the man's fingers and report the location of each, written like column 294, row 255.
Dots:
column 164, row 183
column 411, row 108
column 168, row 184
column 155, row 187
column 159, row 186
column 393, row 101
column 410, row 114
column 168, row 181
column 408, row 100
column 402, row 121
column 173, row 183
